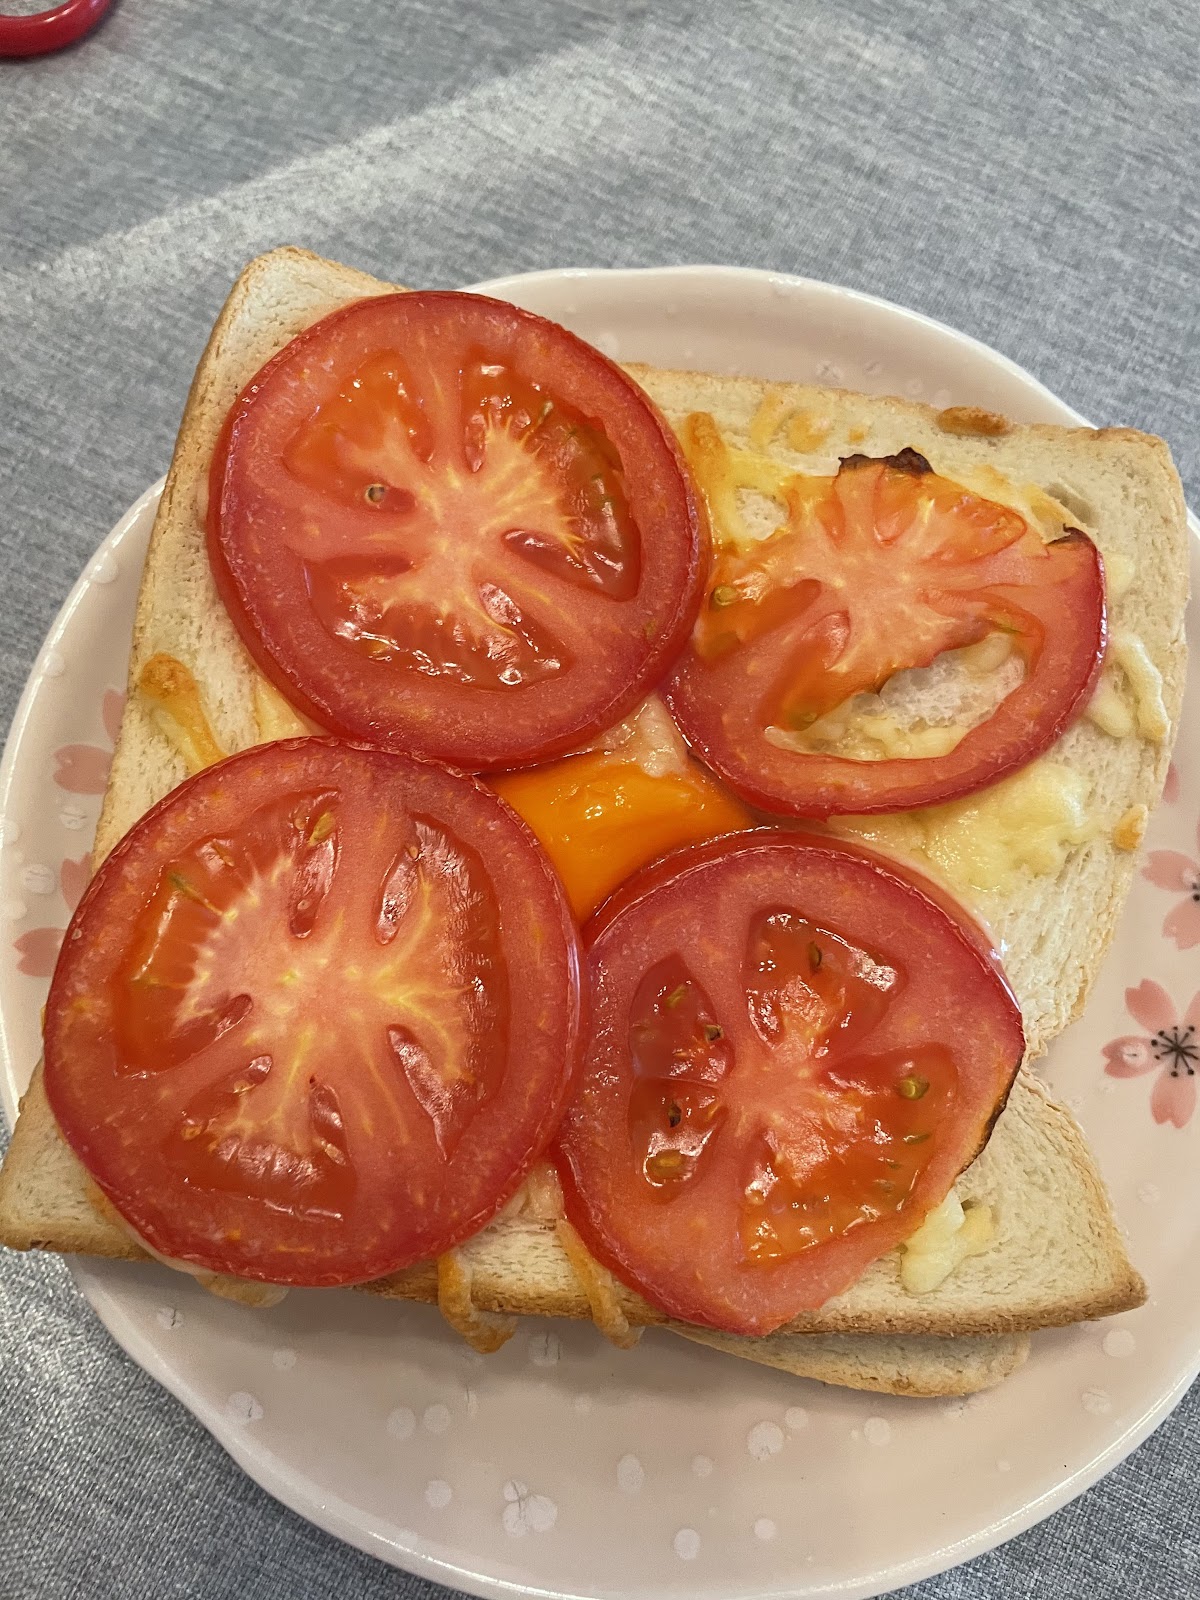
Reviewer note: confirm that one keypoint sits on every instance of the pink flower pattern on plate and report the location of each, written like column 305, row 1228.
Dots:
column 37, row 951
column 1171, row 786
column 1170, row 869
column 1169, row 1046
column 83, row 768
column 79, row 769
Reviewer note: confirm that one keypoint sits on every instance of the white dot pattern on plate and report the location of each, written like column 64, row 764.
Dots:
column 1119, row 1342
column 631, row 1475
column 73, row 816
column 764, row 1440
column 13, row 910
column 1003, row 1465
column 10, row 830
column 55, row 664
column 283, row 1360
column 940, row 398
column 830, row 372
column 39, row 879
column 687, row 1544
column 438, row 1494
column 796, row 1418
column 168, row 1317
column 609, row 344
column 435, row 1418
column 765, row 1529
column 877, row 1431
column 402, row 1422
column 1097, row 1401
column 1149, row 1194
column 545, row 1349
column 702, row 1466
column 243, row 1407
column 525, row 1512
column 913, row 387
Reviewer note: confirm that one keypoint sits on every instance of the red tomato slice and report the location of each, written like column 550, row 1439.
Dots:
column 447, row 526
column 316, row 1015
column 883, row 567
column 780, row 1085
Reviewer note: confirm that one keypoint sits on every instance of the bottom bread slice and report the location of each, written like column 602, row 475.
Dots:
column 914, row 1365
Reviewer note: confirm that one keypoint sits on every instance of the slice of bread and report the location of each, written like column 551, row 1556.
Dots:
column 1057, row 1255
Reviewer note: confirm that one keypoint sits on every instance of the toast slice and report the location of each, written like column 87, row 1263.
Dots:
column 1057, row 1255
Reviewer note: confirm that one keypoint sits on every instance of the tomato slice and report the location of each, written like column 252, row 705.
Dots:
column 447, row 526
column 316, row 1015
column 795, row 1050
column 883, row 567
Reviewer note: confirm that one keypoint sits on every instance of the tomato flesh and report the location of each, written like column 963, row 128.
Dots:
column 883, row 567
column 447, row 526
column 316, row 1015
column 795, row 1051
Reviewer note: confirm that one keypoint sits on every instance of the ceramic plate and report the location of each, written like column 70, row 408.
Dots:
column 561, row 1466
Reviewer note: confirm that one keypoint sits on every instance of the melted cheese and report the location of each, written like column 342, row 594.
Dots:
column 484, row 1331
column 870, row 737
column 768, row 418
column 650, row 738
column 243, row 1291
column 274, row 717
column 175, row 705
column 1145, row 682
column 945, row 1239
column 1027, row 823
column 600, row 1287
column 806, row 433
column 1119, row 573
column 1131, row 828
column 1107, row 709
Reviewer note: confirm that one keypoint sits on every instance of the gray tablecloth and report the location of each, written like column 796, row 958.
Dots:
column 1026, row 172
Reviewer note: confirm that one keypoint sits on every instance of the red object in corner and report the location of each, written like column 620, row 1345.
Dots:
column 49, row 30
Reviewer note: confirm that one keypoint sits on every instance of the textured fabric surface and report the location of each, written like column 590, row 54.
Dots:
column 1026, row 172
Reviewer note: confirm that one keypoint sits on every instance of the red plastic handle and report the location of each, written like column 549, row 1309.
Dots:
column 50, row 30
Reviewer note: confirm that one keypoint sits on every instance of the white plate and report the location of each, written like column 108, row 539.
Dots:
column 561, row 1466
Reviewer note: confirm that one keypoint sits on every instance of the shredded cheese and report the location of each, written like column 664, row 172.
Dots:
column 484, row 1331
column 600, row 1287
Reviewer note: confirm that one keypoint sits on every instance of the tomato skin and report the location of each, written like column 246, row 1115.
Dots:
column 136, row 1096
column 265, row 585
column 686, row 1249
column 1056, row 601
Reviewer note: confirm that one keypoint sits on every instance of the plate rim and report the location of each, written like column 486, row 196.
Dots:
column 271, row 1474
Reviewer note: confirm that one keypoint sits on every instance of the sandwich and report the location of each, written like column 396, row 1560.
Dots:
column 603, row 842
